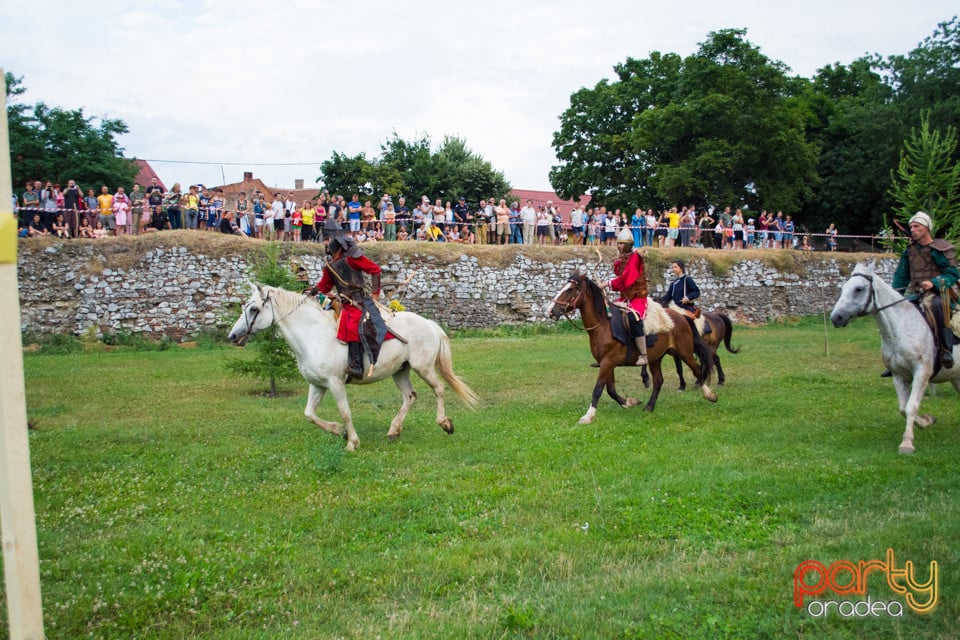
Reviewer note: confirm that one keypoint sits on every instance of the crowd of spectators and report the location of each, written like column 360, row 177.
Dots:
column 45, row 208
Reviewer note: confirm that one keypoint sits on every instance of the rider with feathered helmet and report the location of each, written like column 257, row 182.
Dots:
column 344, row 271
column 631, row 283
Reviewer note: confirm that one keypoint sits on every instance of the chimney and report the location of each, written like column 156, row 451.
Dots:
column 248, row 176
column 298, row 184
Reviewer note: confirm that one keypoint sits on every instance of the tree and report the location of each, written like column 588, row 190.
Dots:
column 723, row 126
column 274, row 358
column 410, row 167
column 50, row 143
column 928, row 178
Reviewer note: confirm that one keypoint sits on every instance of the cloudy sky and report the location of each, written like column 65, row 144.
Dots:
column 244, row 85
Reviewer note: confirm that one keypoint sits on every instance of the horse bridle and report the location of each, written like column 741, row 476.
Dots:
column 263, row 302
column 255, row 313
column 873, row 298
column 570, row 306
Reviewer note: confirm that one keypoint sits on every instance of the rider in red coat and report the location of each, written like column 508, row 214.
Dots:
column 631, row 284
column 344, row 271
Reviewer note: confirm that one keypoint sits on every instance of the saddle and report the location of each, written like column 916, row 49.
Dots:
column 625, row 325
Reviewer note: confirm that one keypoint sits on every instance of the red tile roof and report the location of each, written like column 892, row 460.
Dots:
column 146, row 174
column 250, row 185
column 542, row 197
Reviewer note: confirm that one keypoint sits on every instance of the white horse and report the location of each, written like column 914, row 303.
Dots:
column 311, row 333
column 906, row 342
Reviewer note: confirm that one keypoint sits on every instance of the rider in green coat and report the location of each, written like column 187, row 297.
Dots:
column 927, row 268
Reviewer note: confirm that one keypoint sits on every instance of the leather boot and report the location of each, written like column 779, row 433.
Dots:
column 641, row 343
column 946, row 347
column 355, row 360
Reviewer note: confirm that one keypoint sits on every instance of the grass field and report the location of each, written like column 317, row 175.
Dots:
column 174, row 503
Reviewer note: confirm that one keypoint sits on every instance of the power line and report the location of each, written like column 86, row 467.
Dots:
column 238, row 164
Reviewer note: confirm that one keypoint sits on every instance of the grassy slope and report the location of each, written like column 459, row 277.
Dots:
column 181, row 504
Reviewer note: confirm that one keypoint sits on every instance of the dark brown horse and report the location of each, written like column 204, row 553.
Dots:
column 721, row 330
column 675, row 336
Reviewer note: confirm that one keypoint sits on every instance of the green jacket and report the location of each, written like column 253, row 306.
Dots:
column 941, row 252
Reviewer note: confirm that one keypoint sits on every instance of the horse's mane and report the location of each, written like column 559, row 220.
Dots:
column 286, row 302
column 599, row 302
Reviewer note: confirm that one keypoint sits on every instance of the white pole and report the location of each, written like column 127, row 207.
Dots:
column 21, row 562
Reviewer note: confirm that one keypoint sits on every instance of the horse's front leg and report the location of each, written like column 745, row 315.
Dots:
column 611, row 386
column 339, row 391
column 314, row 397
column 909, row 394
column 720, row 377
column 591, row 413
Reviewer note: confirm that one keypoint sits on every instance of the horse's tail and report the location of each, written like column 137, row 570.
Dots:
column 445, row 366
column 728, row 333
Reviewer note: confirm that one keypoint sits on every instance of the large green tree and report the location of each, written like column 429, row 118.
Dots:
column 864, row 111
column 723, row 126
column 928, row 178
column 412, row 168
column 52, row 143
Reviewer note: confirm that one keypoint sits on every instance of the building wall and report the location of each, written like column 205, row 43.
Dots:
column 159, row 286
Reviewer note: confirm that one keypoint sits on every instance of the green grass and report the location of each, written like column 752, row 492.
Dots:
column 173, row 502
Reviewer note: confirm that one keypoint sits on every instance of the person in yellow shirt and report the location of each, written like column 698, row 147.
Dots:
column 105, row 204
column 191, row 206
column 673, row 227
column 309, row 214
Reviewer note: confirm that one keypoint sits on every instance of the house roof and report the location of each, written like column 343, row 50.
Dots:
column 146, row 175
column 542, row 197
column 251, row 185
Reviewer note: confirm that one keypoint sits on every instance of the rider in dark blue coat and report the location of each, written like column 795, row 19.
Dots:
column 682, row 291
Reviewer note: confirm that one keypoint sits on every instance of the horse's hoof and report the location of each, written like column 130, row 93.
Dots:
column 681, row 389
column 906, row 451
column 926, row 420
column 712, row 397
column 393, row 437
column 630, row 402
column 447, row 425
column 648, row 409
column 352, row 445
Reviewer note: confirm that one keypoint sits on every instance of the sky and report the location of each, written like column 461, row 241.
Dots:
column 212, row 88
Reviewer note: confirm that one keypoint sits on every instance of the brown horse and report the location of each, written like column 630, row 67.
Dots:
column 721, row 330
column 678, row 338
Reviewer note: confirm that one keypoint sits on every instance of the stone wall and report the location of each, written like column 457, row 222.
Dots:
column 180, row 283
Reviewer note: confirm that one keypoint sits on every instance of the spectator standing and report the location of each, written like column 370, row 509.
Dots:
column 528, row 218
column 191, row 208
column 636, row 228
column 308, row 218
column 576, row 224
column 354, row 209
column 73, row 203
column 831, row 233
column 121, row 212
column 403, row 214
column 289, row 206
column 502, row 212
column 788, row 235
column 259, row 217
column 91, row 208
column 516, row 229
column 105, row 206
column 277, row 213
column 389, row 223
column 31, row 204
